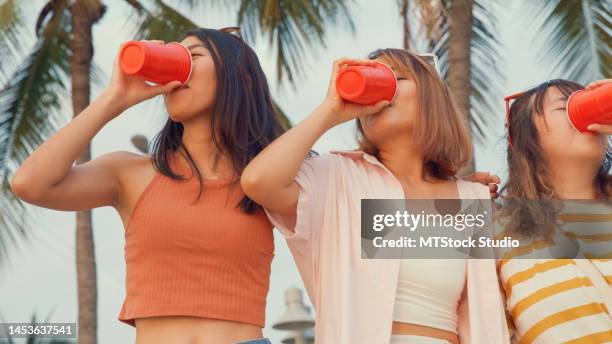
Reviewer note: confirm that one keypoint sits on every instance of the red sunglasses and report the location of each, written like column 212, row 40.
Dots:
column 507, row 100
column 513, row 97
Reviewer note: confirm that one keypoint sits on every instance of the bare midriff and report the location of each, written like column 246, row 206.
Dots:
column 400, row 328
column 193, row 330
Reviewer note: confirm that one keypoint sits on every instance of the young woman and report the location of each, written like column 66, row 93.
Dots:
column 558, row 192
column 198, row 251
column 410, row 147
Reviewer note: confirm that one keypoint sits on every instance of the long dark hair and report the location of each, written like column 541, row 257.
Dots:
column 243, row 120
column 530, row 203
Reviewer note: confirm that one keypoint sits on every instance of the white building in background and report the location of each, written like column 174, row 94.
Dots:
column 296, row 319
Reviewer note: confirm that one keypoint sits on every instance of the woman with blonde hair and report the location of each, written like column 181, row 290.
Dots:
column 410, row 147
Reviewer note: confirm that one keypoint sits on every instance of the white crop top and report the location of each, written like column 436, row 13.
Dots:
column 428, row 292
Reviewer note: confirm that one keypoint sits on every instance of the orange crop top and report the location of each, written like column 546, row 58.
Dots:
column 203, row 258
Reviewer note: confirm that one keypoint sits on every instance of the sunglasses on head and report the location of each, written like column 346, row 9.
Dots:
column 432, row 59
column 232, row 30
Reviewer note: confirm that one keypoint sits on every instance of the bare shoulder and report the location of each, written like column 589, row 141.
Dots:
column 134, row 172
column 130, row 165
column 121, row 163
column 122, row 157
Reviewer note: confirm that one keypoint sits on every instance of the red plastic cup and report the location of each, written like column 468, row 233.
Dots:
column 586, row 107
column 155, row 62
column 366, row 84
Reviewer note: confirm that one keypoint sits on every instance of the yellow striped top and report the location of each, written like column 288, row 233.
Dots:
column 551, row 300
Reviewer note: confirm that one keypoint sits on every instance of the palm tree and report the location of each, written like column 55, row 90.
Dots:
column 84, row 14
column 30, row 111
column 472, row 63
column 464, row 35
column 404, row 8
column 572, row 37
column 461, row 21
column 469, row 35
column 292, row 28
column 31, row 100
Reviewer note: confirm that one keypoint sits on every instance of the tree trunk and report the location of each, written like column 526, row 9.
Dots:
column 84, row 15
column 460, row 38
column 404, row 7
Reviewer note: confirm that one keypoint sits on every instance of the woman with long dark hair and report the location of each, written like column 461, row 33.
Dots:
column 198, row 251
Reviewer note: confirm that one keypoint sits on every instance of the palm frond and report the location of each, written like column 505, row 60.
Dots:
column 486, row 64
column 29, row 112
column 195, row 4
column 163, row 22
column 168, row 24
column 282, row 116
column 573, row 37
column 431, row 17
column 136, row 5
column 294, row 28
column 11, row 33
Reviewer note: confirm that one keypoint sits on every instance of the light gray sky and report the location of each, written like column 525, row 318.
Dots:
column 41, row 276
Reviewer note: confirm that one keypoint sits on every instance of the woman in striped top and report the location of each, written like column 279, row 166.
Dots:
column 557, row 200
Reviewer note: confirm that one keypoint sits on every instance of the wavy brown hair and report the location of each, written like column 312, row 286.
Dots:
column 530, row 203
column 243, row 117
column 441, row 132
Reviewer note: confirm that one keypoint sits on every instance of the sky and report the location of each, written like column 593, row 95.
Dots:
column 41, row 277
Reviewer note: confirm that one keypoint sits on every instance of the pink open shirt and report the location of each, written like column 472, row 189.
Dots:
column 354, row 297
